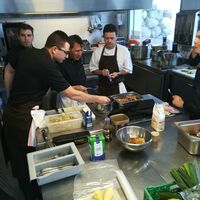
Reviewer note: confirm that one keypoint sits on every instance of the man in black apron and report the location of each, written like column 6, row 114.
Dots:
column 111, row 64
column 107, row 85
column 36, row 72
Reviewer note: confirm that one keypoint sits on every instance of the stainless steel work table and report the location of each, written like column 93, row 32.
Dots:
column 149, row 167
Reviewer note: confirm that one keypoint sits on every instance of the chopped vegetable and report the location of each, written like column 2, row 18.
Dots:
column 98, row 195
column 108, row 193
column 187, row 175
column 169, row 195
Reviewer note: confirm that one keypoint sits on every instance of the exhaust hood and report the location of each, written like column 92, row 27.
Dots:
column 69, row 6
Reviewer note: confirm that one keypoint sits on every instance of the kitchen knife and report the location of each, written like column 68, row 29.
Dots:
column 170, row 92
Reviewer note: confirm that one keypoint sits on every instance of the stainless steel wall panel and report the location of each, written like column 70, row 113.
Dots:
column 69, row 6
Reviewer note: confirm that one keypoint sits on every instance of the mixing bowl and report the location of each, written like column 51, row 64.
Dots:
column 123, row 134
column 105, row 108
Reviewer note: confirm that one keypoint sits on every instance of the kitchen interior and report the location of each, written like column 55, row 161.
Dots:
column 160, row 38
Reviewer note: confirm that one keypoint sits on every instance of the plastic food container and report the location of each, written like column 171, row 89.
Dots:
column 54, row 163
column 119, row 120
column 64, row 122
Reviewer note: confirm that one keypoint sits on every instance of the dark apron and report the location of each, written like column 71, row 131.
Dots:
column 106, row 87
column 16, row 122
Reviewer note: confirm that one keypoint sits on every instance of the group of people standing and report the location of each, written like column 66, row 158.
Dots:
column 30, row 72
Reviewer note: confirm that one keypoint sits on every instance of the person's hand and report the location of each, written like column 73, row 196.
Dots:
column 114, row 75
column 105, row 72
column 102, row 99
column 177, row 101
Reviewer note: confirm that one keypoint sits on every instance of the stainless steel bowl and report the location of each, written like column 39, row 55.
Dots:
column 123, row 134
column 104, row 108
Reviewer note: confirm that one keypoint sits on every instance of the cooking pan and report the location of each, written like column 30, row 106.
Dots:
column 126, row 99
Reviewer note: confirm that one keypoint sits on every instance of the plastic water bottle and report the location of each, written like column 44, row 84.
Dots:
column 88, row 119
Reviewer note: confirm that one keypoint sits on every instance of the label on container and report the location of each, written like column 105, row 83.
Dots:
column 98, row 148
column 158, row 117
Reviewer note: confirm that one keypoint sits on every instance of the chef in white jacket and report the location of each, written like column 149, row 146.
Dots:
column 111, row 63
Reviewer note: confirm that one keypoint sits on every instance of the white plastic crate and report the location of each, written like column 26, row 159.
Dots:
column 60, row 162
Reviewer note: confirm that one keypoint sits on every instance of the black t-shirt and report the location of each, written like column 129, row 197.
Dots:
column 35, row 74
column 13, row 54
column 73, row 71
column 193, row 61
column 193, row 103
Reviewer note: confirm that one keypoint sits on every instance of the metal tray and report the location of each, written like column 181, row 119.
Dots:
column 189, row 142
column 116, row 98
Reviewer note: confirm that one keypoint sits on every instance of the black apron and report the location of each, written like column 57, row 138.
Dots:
column 106, row 87
column 16, row 122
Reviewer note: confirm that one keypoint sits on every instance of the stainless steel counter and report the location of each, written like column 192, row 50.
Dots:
column 149, row 167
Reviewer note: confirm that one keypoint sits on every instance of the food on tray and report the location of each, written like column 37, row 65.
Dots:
column 196, row 134
column 98, row 195
column 60, row 118
column 126, row 99
column 109, row 193
column 138, row 140
column 169, row 109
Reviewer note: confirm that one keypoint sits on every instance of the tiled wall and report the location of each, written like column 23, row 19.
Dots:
column 44, row 25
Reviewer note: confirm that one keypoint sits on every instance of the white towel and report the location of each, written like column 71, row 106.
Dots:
column 37, row 122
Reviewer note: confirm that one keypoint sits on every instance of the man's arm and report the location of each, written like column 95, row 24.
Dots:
column 82, row 96
column 9, row 73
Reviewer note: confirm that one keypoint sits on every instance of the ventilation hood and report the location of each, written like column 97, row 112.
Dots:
column 69, row 6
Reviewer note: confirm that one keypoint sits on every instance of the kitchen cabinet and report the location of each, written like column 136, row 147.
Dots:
column 180, row 84
column 146, row 80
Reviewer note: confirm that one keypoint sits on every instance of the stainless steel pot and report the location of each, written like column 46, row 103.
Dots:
column 140, row 52
column 154, row 52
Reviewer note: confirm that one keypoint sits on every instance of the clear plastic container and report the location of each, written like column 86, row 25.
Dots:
column 64, row 122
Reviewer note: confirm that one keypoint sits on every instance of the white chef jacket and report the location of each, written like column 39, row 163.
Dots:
column 123, row 60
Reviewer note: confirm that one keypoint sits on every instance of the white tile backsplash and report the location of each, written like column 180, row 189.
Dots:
column 44, row 25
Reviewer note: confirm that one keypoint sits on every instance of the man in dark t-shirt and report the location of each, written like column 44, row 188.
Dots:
column 25, row 37
column 72, row 67
column 192, row 103
column 36, row 72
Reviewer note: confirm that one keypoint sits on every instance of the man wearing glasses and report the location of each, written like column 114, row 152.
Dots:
column 111, row 62
column 36, row 72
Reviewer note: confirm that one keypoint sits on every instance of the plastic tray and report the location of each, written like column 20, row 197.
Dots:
column 54, row 157
column 152, row 192
column 65, row 125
